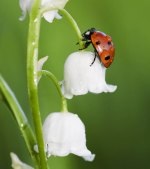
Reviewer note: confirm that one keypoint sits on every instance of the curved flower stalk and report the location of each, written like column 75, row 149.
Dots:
column 64, row 133
column 80, row 77
column 50, row 7
column 17, row 163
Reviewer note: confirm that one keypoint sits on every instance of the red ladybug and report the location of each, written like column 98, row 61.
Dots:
column 102, row 44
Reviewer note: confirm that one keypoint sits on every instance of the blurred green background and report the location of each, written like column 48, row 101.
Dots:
column 118, row 124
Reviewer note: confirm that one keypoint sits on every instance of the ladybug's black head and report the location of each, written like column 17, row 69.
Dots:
column 87, row 34
column 92, row 30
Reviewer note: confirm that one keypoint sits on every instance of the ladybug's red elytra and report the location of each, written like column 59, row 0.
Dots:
column 102, row 44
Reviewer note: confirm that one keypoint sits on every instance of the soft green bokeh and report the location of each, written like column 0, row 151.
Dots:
column 118, row 124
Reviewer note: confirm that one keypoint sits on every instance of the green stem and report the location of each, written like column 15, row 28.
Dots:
column 55, row 81
column 71, row 20
column 32, row 58
column 9, row 98
column 75, row 26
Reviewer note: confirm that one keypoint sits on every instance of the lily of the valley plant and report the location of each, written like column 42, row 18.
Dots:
column 63, row 132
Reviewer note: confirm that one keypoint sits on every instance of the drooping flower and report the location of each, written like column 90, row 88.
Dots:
column 64, row 133
column 80, row 77
column 52, row 5
column 17, row 163
column 25, row 6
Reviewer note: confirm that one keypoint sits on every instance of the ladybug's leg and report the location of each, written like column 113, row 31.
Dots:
column 94, row 58
column 86, row 44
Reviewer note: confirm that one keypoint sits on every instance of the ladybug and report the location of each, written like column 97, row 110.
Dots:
column 103, row 45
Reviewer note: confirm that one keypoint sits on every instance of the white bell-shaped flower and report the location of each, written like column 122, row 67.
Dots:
column 17, row 163
column 64, row 133
column 52, row 5
column 25, row 6
column 80, row 77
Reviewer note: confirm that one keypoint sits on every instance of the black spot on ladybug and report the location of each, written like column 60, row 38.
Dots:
column 107, row 57
column 109, row 42
column 98, row 42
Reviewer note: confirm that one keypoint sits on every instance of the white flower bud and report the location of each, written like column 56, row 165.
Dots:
column 17, row 163
column 25, row 6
